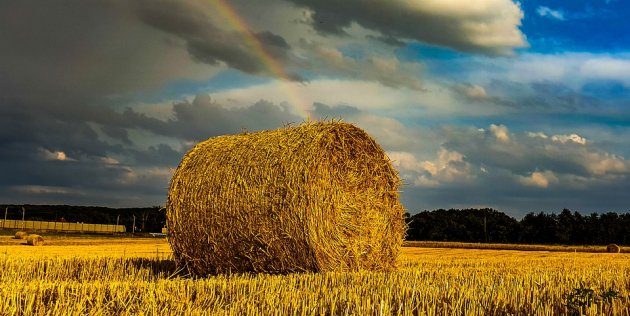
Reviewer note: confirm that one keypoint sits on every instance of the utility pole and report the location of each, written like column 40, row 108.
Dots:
column 23, row 223
column 485, row 228
column 117, row 220
column 6, row 209
column 133, row 228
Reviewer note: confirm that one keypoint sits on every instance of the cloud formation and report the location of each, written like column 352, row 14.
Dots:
column 514, row 170
column 539, row 179
column 73, row 50
column 389, row 71
column 487, row 26
column 210, row 44
column 550, row 13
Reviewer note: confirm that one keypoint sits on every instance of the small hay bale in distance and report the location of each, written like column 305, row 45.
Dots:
column 320, row 196
column 612, row 248
column 20, row 235
column 35, row 240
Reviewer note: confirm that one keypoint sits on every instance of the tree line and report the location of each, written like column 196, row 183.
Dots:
column 492, row 226
column 465, row 225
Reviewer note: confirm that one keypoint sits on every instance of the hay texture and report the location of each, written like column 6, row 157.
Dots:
column 316, row 197
column 612, row 248
column 35, row 240
column 20, row 235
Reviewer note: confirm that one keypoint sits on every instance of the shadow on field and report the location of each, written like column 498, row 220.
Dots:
column 162, row 268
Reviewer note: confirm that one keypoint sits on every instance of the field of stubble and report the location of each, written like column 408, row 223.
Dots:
column 96, row 276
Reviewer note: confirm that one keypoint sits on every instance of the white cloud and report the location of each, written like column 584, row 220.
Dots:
column 43, row 190
column 537, row 134
column 539, row 179
column 606, row 164
column 550, row 13
column 570, row 69
column 404, row 161
column 386, row 69
column 607, row 68
column 54, row 155
column 109, row 161
column 500, row 132
column 515, row 152
column 447, row 167
column 476, row 92
column 141, row 176
column 575, row 138
column 489, row 26
column 437, row 100
column 363, row 94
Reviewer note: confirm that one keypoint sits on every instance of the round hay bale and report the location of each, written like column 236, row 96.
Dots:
column 35, row 240
column 316, row 197
column 20, row 235
column 612, row 248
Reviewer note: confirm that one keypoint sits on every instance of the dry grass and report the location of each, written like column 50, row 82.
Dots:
column 87, row 248
column 520, row 247
column 430, row 282
column 316, row 197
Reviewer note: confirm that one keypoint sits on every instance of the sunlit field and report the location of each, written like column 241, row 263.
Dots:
column 88, row 275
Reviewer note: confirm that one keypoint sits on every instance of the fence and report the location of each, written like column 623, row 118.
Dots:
column 61, row 226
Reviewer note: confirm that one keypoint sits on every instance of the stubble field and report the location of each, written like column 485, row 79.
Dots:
column 96, row 276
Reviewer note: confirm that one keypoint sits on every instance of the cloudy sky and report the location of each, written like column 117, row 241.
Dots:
column 520, row 106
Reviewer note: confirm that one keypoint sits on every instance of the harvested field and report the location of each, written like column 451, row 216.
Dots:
column 127, row 276
column 520, row 247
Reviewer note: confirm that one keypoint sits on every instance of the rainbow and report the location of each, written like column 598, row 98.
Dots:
column 240, row 25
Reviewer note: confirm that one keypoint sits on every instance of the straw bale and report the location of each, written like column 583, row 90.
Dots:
column 35, row 240
column 20, row 235
column 612, row 248
column 320, row 196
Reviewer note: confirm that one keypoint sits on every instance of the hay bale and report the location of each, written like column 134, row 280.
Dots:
column 612, row 248
column 20, row 235
column 316, row 197
column 35, row 240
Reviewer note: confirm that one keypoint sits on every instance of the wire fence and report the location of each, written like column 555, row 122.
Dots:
column 62, row 226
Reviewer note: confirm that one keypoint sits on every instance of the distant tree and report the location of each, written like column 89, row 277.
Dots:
column 565, row 227
column 474, row 225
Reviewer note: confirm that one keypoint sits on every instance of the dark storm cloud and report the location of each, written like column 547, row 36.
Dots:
column 78, row 50
column 117, row 133
column 60, row 153
column 209, row 44
column 161, row 155
column 389, row 40
column 324, row 111
column 489, row 26
column 204, row 117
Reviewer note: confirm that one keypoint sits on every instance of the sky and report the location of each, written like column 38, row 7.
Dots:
column 518, row 106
